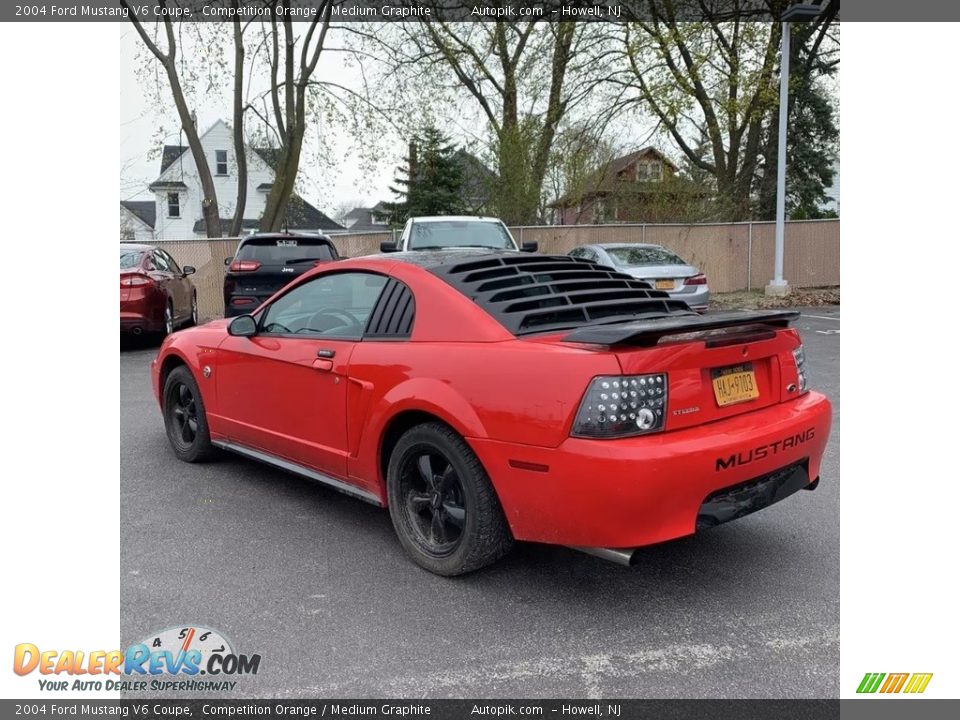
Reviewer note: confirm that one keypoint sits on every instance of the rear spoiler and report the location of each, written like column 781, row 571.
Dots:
column 649, row 332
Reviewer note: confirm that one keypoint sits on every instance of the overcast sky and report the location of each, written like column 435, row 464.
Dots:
column 324, row 187
column 342, row 179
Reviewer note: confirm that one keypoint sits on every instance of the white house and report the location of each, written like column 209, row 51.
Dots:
column 176, row 212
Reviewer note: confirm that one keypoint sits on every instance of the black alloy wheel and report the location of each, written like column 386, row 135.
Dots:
column 442, row 504
column 185, row 417
column 434, row 502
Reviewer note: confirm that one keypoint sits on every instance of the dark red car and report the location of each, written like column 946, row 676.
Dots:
column 486, row 397
column 155, row 294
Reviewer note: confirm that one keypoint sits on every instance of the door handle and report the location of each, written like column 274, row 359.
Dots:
column 323, row 365
column 325, row 353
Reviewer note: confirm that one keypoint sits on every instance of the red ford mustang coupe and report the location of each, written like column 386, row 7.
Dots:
column 497, row 396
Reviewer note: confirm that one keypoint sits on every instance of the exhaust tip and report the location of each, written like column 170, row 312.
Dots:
column 137, row 331
column 619, row 556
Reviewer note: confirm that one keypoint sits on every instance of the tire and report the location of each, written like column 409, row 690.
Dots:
column 167, row 319
column 185, row 417
column 444, row 509
column 194, row 311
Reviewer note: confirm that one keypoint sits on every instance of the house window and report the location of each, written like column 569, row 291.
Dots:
column 173, row 205
column 221, row 162
column 652, row 170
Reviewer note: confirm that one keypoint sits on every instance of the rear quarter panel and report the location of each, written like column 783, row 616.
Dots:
column 513, row 391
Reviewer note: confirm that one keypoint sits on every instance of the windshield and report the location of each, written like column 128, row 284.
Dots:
column 284, row 251
column 460, row 233
column 631, row 256
column 130, row 258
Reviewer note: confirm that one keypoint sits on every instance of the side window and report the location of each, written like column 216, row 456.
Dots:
column 337, row 305
column 171, row 263
column 578, row 252
column 160, row 261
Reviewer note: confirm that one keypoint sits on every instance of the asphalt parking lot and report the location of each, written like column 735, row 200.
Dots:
column 316, row 583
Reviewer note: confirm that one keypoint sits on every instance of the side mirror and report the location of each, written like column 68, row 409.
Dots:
column 243, row 326
column 227, row 261
column 189, row 269
column 529, row 247
column 387, row 246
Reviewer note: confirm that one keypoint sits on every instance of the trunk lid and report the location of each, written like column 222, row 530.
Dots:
column 717, row 365
column 663, row 277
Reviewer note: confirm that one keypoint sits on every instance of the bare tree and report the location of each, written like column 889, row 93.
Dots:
column 524, row 78
column 239, row 145
column 168, row 60
column 290, row 85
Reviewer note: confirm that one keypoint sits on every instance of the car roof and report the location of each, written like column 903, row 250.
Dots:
column 428, row 259
column 454, row 218
column 281, row 235
column 608, row 246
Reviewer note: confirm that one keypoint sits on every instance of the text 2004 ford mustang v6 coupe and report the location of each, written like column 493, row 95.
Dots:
column 490, row 397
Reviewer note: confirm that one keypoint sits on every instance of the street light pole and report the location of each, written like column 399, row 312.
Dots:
column 779, row 286
column 798, row 12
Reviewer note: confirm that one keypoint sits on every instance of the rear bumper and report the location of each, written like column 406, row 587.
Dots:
column 140, row 315
column 639, row 491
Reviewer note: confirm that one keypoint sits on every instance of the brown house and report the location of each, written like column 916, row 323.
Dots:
column 643, row 186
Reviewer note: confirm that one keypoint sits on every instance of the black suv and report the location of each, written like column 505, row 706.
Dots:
column 265, row 262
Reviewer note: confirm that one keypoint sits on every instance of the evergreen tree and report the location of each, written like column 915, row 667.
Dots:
column 431, row 181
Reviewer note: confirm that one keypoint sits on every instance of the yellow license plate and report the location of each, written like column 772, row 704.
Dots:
column 735, row 385
column 664, row 285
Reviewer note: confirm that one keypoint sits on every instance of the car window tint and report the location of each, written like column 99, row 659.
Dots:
column 283, row 251
column 459, row 233
column 643, row 256
column 335, row 305
column 130, row 258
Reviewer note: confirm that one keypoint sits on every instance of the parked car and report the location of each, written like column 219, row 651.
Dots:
column 155, row 294
column 662, row 268
column 486, row 397
column 265, row 262
column 441, row 232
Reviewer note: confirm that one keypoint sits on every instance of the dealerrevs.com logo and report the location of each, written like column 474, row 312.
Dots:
column 909, row 683
column 186, row 658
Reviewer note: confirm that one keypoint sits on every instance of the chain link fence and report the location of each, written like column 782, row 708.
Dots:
column 734, row 256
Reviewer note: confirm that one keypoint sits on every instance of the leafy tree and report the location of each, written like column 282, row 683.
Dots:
column 812, row 132
column 521, row 79
column 431, row 181
column 716, row 81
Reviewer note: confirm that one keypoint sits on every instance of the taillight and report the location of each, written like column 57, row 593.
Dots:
column 800, row 358
column 700, row 279
column 622, row 405
column 134, row 280
column 244, row 266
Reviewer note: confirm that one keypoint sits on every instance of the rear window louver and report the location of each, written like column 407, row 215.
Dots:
column 537, row 293
column 392, row 315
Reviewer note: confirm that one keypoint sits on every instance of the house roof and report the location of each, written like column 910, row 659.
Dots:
column 170, row 154
column 271, row 156
column 301, row 215
column 167, row 185
column 478, row 179
column 606, row 179
column 144, row 210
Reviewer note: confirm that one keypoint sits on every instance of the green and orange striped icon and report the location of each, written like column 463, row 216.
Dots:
column 894, row 682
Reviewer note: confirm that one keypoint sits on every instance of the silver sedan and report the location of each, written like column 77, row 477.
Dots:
column 660, row 267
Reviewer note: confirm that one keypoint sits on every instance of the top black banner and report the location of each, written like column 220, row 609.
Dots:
column 478, row 11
